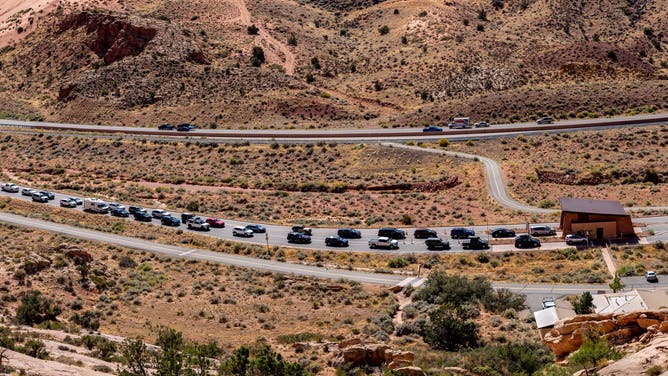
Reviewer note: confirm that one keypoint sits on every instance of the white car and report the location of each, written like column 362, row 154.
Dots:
column 27, row 191
column 10, row 187
column 650, row 276
column 573, row 239
column 242, row 231
column 383, row 242
column 159, row 213
column 482, row 124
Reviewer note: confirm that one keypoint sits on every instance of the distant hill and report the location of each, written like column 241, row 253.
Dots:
column 330, row 63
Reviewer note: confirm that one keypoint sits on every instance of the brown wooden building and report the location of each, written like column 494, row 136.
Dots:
column 601, row 219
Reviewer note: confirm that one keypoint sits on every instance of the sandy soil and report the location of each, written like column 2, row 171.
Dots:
column 29, row 13
column 276, row 48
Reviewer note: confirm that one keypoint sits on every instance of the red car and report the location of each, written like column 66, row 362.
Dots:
column 215, row 222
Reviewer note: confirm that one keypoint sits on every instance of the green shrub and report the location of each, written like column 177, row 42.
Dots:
column 36, row 308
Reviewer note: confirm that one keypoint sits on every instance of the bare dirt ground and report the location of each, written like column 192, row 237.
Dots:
column 28, row 14
column 277, row 52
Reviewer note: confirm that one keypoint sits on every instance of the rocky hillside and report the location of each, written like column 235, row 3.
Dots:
column 336, row 63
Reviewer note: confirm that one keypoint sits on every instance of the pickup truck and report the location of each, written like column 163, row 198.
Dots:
column 383, row 242
column 198, row 223
column 10, row 187
column 474, row 242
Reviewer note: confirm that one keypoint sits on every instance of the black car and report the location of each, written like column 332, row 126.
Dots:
column 119, row 212
column 436, row 244
column 168, row 220
column 142, row 216
column 298, row 237
column 526, row 241
column 166, row 127
column 48, row 194
column 184, row 127
column 336, row 241
column 392, row 233
column 258, row 229
column 503, row 233
column 461, row 233
column 424, row 233
column 186, row 216
column 135, row 209
column 302, row 229
column 349, row 233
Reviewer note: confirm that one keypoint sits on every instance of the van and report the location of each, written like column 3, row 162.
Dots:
column 542, row 230
column 392, row 233
column 95, row 205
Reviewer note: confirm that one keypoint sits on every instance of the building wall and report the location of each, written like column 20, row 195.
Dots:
column 609, row 229
column 613, row 225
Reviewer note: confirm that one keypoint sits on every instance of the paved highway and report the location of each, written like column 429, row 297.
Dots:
column 356, row 135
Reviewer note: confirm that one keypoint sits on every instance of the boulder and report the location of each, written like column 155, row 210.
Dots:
column 590, row 317
column 410, row 371
column 375, row 354
column 397, row 359
column 627, row 318
column 663, row 327
column 35, row 263
column 646, row 323
column 355, row 354
column 349, row 342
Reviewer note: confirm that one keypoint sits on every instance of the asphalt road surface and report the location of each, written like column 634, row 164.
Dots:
column 354, row 135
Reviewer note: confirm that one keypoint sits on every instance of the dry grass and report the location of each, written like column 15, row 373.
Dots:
column 628, row 165
column 205, row 301
column 437, row 60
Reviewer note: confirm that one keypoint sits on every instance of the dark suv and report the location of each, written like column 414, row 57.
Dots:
column 336, row 241
column 526, row 241
column 298, row 237
column 349, row 233
column 392, row 233
column 461, row 233
column 424, row 233
column 436, row 244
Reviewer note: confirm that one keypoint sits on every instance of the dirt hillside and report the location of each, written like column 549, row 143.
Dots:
column 325, row 64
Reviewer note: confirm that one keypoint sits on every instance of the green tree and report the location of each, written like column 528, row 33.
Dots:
column 447, row 330
column 169, row 361
column 200, row 357
column 237, row 364
column 592, row 351
column 35, row 309
column 583, row 304
column 292, row 40
column 315, row 63
column 135, row 358
column 616, row 284
column 252, row 30
column 258, row 56
column 384, row 30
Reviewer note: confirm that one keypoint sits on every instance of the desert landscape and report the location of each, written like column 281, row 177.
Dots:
column 78, row 302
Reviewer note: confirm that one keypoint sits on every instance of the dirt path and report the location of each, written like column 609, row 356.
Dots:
column 276, row 48
column 609, row 261
column 403, row 302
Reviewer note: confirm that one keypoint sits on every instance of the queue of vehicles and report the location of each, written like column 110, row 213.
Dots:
column 388, row 237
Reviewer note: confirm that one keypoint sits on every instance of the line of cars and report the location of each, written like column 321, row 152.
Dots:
column 35, row 195
column 183, row 127
column 388, row 237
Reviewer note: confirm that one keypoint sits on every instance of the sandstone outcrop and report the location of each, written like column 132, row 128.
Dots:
column 357, row 353
column 568, row 335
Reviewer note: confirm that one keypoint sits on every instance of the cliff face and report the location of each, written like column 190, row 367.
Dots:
column 618, row 329
column 111, row 39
